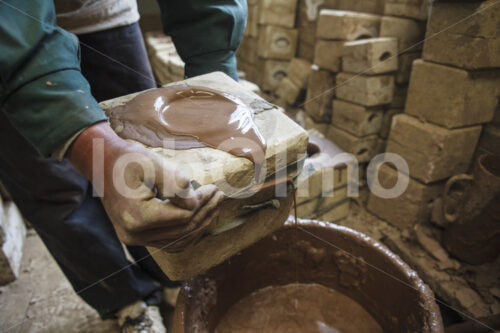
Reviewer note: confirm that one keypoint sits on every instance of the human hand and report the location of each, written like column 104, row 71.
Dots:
column 148, row 201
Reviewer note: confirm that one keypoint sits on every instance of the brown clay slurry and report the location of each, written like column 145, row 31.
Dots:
column 184, row 117
column 319, row 309
column 294, row 194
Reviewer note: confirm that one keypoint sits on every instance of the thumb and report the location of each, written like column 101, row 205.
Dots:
column 174, row 184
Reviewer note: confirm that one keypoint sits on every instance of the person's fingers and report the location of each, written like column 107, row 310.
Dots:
column 169, row 179
column 206, row 209
column 207, row 221
column 198, row 221
column 195, row 235
column 161, row 214
column 195, row 199
column 181, row 179
column 204, row 216
column 186, row 240
column 187, row 199
column 205, row 193
column 155, row 214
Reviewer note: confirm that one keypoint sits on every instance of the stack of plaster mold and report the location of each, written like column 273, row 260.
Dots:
column 322, row 185
column 307, row 18
column 406, row 21
column 453, row 93
column 335, row 28
column 365, row 88
column 168, row 66
column 12, row 236
column 324, row 46
column 371, row 58
column 269, row 42
column 166, row 63
column 279, row 13
column 236, row 227
column 474, row 47
column 273, row 36
column 362, row 6
column 445, row 108
column 368, row 58
column 291, row 89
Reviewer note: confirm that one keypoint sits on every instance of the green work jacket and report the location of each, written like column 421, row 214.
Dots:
column 43, row 93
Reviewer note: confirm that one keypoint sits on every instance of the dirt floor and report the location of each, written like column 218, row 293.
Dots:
column 42, row 300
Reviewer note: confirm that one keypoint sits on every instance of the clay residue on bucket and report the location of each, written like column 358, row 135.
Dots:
column 297, row 308
column 184, row 117
column 205, row 300
column 355, row 266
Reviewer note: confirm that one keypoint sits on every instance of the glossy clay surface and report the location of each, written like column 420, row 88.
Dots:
column 184, row 117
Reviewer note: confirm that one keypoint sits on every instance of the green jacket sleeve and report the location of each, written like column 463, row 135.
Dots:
column 42, row 93
column 206, row 33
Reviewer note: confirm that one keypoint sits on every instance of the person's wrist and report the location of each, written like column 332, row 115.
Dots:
column 81, row 152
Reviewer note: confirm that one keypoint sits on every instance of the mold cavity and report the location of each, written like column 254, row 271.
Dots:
column 362, row 151
column 492, row 164
column 312, row 149
column 363, row 37
column 371, row 117
column 282, row 42
column 385, row 56
column 279, row 75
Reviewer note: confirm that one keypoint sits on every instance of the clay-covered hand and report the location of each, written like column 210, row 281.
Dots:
column 148, row 201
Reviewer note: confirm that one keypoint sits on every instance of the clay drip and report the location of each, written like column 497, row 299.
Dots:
column 184, row 117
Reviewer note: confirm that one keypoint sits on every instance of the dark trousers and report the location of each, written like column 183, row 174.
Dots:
column 58, row 201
